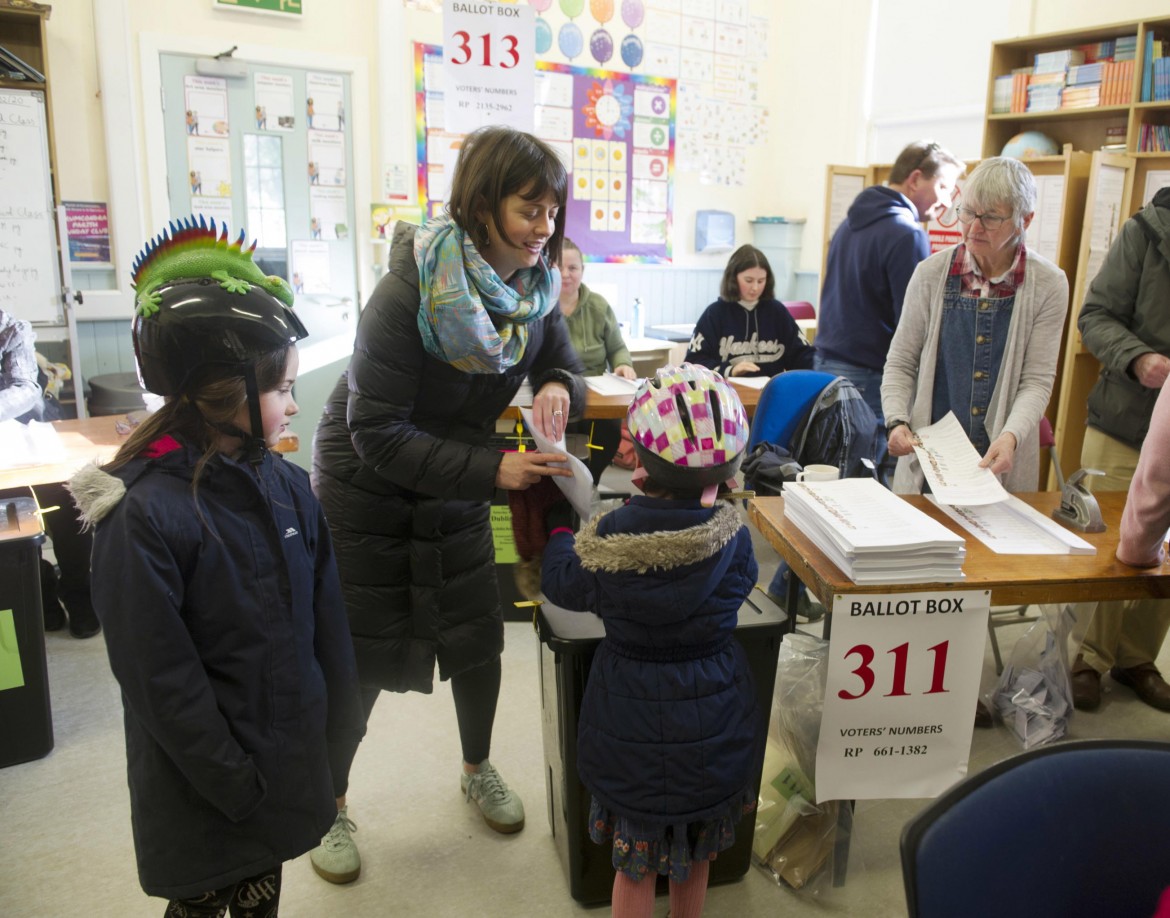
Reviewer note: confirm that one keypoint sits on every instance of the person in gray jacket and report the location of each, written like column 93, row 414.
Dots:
column 1125, row 324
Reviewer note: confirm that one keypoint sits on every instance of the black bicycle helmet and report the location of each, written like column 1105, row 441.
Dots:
column 203, row 304
column 199, row 325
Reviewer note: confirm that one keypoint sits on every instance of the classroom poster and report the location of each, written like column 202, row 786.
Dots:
column 274, row 102
column 205, row 106
column 326, row 157
column 325, row 101
column 615, row 134
column 217, row 209
column 310, row 266
column 87, row 224
column 327, row 212
column 209, row 167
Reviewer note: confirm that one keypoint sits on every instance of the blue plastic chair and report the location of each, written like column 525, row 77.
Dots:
column 784, row 402
column 1070, row 830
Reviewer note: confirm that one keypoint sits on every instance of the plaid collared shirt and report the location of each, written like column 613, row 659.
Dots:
column 978, row 286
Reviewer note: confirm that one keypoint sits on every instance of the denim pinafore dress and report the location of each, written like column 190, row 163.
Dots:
column 971, row 344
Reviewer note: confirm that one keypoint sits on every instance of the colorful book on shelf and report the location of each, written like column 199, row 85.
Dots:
column 1020, row 78
column 1001, row 95
column 1057, row 61
column 1162, row 79
column 1081, row 96
column 1155, row 49
column 1125, row 48
column 1084, row 74
column 1096, row 51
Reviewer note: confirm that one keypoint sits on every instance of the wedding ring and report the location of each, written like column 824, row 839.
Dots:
column 557, row 412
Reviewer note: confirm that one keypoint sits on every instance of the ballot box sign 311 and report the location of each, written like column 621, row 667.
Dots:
column 900, row 694
column 489, row 65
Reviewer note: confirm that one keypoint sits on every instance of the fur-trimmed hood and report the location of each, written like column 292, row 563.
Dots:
column 665, row 550
column 652, row 563
column 96, row 492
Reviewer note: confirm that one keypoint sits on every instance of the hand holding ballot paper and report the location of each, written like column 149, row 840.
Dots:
column 973, row 497
column 578, row 489
column 952, row 465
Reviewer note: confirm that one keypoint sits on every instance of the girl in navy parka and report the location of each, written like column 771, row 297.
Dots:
column 670, row 733
column 214, row 580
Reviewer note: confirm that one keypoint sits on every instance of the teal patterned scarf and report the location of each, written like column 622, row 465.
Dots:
column 468, row 317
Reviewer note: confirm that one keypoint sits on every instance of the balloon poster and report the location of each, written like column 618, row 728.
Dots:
column 615, row 134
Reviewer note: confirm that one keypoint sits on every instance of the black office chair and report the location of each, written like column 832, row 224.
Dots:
column 1068, row 830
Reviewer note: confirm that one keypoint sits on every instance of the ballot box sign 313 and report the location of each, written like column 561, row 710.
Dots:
column 900, row 695
column 489, row 65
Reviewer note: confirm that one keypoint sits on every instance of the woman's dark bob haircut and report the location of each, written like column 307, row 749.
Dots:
column 497, row 162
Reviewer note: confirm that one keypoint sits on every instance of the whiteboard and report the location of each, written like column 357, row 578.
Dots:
column 30, row 286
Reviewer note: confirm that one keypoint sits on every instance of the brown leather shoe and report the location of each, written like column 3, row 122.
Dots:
column 1146, row 682
column 1086, row 686
column 982, row 715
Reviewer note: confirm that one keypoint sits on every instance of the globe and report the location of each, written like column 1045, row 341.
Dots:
column 1030, row 143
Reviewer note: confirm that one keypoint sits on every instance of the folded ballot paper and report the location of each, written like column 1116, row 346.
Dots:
column 872, row 534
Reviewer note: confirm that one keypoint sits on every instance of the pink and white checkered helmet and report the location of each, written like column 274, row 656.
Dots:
column 688, row 427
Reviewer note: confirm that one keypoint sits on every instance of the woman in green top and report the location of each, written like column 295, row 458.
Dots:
column 594, row 333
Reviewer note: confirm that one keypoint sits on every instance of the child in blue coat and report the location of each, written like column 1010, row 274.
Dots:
column 215, row 584
column 670, row 734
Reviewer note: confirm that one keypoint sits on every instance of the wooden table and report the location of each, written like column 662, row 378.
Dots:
column 89, row 440
column 1012, row 579
column 616, row 406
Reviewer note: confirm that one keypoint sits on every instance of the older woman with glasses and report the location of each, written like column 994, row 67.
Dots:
column 979, row 335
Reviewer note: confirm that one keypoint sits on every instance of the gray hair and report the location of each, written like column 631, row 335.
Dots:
column 1002, row 180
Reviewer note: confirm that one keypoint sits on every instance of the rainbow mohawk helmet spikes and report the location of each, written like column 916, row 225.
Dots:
column 193, row 248
column 689, row 427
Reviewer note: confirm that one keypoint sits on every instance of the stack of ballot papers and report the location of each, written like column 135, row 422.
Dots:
column 872, row 534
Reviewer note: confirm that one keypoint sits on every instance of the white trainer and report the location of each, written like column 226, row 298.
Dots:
column 336, row 859
column 501, row 808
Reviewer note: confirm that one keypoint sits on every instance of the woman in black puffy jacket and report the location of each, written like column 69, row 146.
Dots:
column 401, row 461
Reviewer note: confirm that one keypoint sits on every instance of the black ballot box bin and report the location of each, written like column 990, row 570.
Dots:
column 26, row 719
column 568, row 641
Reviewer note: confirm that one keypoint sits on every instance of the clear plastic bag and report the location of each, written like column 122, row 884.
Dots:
column 1033, row 696
column 797, row 841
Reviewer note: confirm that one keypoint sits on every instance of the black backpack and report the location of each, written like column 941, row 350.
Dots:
column 841, row 429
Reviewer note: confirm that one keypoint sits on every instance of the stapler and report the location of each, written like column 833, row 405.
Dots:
column 1078, row 507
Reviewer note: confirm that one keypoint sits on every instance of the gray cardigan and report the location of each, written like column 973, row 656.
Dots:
column 1025, row 377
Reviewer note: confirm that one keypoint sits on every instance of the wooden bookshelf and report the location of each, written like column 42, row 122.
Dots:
column 1124, row 172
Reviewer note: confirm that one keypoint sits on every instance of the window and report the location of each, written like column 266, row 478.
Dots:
column 264, row 194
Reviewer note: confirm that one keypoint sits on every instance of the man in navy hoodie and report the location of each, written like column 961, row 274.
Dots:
column 872, row 255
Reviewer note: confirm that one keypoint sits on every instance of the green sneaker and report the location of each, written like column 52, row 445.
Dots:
column 501, row 808
column 336, row 859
